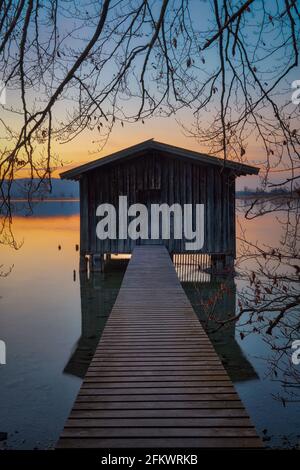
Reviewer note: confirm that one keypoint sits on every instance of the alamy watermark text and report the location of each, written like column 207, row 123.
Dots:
column 161, row 222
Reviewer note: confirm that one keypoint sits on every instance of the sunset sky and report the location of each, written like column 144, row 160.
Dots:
column 167, row 130
column 84, row 147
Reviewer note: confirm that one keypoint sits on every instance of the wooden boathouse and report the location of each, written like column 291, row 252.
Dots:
column 156, row 173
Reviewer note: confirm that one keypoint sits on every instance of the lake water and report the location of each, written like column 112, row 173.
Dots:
column 51, row 319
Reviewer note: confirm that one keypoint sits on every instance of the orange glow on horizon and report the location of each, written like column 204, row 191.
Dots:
column 84, row 150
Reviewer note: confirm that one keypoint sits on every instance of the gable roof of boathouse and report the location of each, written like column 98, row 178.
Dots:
column 240, row 169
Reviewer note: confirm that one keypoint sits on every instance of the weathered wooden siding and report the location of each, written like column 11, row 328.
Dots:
column 179, row 181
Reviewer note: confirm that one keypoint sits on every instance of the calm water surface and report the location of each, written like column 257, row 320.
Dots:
column 51, row 318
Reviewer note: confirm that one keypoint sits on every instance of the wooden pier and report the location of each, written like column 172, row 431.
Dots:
column 155, row 379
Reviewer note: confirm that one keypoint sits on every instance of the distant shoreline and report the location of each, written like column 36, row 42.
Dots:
column 266, row 196
column 238, row 196
column 45, row 200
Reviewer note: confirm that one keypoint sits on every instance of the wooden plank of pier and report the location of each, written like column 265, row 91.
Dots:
column 155, row 379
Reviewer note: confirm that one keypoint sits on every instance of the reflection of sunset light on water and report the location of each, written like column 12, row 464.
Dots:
column 40, row 238
column 59, row 222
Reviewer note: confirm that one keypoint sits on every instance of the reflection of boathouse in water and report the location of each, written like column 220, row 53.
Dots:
column 213, row 298
column 98, row 294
